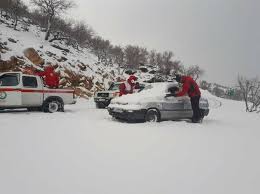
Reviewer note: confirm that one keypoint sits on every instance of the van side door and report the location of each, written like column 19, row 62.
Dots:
column 10, row 90
column 32, row 92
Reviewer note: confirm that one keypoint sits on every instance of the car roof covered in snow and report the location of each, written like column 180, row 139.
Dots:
column 151, row 91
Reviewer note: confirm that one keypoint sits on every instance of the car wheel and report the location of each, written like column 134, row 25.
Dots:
column 202, row 112
column 152, row 115
column 53, row 106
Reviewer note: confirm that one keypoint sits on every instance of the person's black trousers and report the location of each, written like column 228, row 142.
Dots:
column 195, row 100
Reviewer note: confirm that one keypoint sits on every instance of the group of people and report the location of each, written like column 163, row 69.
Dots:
column 189, row 87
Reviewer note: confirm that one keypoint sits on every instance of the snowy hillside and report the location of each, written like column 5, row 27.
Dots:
column 81, row 62
column 85, row 151
column 77, row 66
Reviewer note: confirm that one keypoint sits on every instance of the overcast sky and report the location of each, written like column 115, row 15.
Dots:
column 221, row 36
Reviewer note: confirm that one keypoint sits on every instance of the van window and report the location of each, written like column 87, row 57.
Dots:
column 9, row 80
column 30, row 82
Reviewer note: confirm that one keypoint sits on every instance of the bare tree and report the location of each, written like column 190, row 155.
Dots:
column 117, row 55
column 17, row 9
column 83, row 33
column 195, row 71
column 166, row 62
column 250, row 89
column 4, row 5
column 205, row 85
column 38, row 19
column 135, row 55
column 52, row 9
column 101, row 48
column 152, row 58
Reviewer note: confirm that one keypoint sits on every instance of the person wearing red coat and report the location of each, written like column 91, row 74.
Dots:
column 128, row 86
column 190, row 87
column 51, row 78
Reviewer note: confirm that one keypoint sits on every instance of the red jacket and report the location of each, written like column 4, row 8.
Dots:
column 126, row 88
column 189, row 87
column 51, row 78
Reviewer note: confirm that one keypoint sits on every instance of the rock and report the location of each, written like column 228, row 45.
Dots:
column 105, row 76
column 152, row 72
column 25, row 28
column 60, row 48
column 33, row 56
column 50, row 54
column 82, row 92
column 62, row 59
column 10, row 65
column 12, row 40
column 130, row 72
column 113, row 73
column 82, row 67
column 143, row 69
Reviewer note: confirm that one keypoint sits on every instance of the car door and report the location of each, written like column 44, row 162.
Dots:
column 32, row 92
column 173, row 107
column 10, row 90
column 187, row 110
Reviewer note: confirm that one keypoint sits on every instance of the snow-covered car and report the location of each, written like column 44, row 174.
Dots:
column 151, row 105
column 18, row 90
column 103, row 98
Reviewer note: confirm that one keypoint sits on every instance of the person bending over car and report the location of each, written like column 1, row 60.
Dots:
column 128, row 86
column 190, row 87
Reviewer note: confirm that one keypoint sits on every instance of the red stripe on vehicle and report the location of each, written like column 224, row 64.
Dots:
column 9, row 90
column 34, row 91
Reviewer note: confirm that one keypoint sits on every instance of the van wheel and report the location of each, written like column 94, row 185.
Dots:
column 152, row 115
column 53, row 106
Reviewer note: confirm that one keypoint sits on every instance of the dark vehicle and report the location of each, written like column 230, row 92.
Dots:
column 103, row 98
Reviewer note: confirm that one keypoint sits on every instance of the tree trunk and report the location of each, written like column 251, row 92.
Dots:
column 48, row 31
column 15, row 22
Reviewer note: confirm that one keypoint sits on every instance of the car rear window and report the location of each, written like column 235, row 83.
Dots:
column 9, row 80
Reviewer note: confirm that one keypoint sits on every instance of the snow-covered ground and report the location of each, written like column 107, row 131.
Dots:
column 85, row 151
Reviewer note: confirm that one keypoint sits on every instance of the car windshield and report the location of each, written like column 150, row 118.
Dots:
column 159, row 88
column 114, row 86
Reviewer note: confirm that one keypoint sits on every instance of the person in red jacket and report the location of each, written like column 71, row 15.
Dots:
column 190, row 87
column 128, row 86
column 51, row 78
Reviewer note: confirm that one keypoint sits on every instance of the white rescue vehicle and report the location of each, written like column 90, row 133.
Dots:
column 18, row 90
